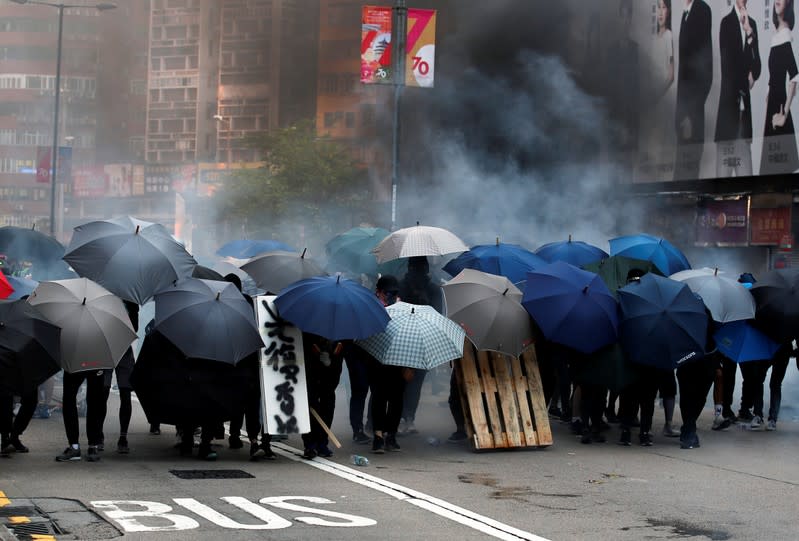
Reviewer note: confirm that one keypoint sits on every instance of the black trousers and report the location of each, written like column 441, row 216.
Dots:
column 728, row 370
column 252, row 414
column 15, row 426
column 592, row 405
column 96, row 405
column 640, row 394
column 388, row 389
column 455, row 404
column 754, row 374
column 322, row 382
column 695, row 379
column 358, row 368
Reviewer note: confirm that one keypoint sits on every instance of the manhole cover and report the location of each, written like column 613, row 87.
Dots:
column 211, row 474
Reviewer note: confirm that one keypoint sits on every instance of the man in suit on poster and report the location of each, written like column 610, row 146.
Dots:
column 694, row 78
column 740, row 68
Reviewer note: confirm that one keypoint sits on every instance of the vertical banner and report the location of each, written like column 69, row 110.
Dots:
column 64, row 165
column 284, row 392
column 421, row 48
column 43, row 165
column 376, row 45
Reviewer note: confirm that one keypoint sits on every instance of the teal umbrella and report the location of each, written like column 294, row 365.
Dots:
column 352, row 251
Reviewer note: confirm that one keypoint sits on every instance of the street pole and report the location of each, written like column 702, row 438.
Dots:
column 400, row 35
column 54, row 155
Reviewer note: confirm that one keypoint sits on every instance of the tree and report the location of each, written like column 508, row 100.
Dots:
column 309, row 187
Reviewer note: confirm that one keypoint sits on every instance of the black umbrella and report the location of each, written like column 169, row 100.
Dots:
column 25, row 244
column 205, row 273
column 29, row 347
column 777, row 297
column 175, row 389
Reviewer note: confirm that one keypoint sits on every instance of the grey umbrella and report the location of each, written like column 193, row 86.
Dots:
column 132, row 258
column 489, row 309
column 95, row 327
column 726, row 299
column 207, row 319
column 273, row 271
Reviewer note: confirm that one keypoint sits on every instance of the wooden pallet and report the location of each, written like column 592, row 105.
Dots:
column 502, row 398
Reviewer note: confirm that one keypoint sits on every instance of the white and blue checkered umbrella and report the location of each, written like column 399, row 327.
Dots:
column 416, row 337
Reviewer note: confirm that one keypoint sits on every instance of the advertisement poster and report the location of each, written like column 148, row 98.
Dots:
column 770, row 225
column 421, row 48
column 89, row 182
column 722, row 223
column 376, row 45
column 43, row 165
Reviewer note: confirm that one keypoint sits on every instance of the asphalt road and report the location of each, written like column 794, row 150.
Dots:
column 738, row 485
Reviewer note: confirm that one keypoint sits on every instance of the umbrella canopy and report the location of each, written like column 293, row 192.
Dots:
column 489, row 310
column 575, row 252
column 246, row 248
column 332, row 307
column 508, row 260
column 132, row 258
column 352, row 251
column 206, row 273
column 275, row 270
column 614, row 270
column 777, row 299
column 416, row 337
column 417, row 241
column 95, row 327
column 663, row 323
column 6, row 289
column 727, row 299
column 572, row 307
column 207, row 319
column 666, row 257
column 175, row 389
column 21, row 286
column 23, row 244
column 741, row 342
column 29, row 347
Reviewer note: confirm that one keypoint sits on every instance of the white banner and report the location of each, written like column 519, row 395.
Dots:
column 284, row 393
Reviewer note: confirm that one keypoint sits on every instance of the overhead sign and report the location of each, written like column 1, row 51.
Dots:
column 421, row 48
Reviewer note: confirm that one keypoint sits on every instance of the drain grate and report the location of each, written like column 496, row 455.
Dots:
column 36, row 528
column 211, row 474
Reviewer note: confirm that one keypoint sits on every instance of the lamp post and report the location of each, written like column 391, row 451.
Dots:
column 54, row 153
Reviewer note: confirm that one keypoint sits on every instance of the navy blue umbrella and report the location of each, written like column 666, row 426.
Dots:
column 575, row 252
column 664, row 255
column 571, row 306
column 333, row 307
column 508, row 260
column 247, row 248
column 663, row 323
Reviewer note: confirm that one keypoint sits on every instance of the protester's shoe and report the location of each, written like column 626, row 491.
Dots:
column 669, row 431
column 577, row 427
column 378, row 445
column 122, row 446
column 390, row 443
column 757, row 423
column 6, row 448
column 324, row 451
column 457, row 436
column 69, row 454
column 745, row 415
column 729, row 414
column 309, row 453
column 234, row 442
column 206, row 453
column 586, row 437
column 626, row 437
column 721, row 423
column 772, row 425
column 645, row 439
column 361, row 438
column 94, row 454
column 598, row 437
column 256, row 452
column 689, row 441
column 18, row 446
column 101, row 446
column 269, row 454
column 155, row 430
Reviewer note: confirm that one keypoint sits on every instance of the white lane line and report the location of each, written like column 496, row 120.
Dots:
column 424, row 501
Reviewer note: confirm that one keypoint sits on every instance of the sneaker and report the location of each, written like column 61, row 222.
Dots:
column 234, row 442
column 69, row 454
column 669, row 431
column 122, row 446
column 771, row 426
column 378, row 445
column 626, row 437
column 645, row 439
column 155, row 430
column 256, row 452
column 6, row 448
column 757, row 423
column 457, row 436
column 689, row 441
column 745, row 415
column 269, row 454
column 324, row 451
column 728, row 414
column 94, row 454
column 361, row 438
column 18, row 446
column 721, row 423
column 309, row 453
column 391, row 443
column 101, row 446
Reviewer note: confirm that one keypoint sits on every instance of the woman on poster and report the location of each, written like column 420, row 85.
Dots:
column 779, row 139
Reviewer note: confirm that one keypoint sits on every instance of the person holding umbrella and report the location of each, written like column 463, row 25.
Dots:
column 323, row 363
column 123, row 371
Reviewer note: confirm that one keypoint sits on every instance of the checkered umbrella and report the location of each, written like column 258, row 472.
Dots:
column 416, row 241
column 416, row 337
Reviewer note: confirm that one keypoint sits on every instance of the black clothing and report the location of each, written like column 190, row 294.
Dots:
column 695, row 379
column 15, row 426
column 359, row 367
column 780, row 154
column 455, row 404
column 694, row 70
column 388, row 387
column 322, row 381
column 96, row 405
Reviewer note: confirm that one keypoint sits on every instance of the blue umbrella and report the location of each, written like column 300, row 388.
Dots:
column 247, row 248
column 663, row 323
column 577, row 253
column 741, row 342
column 332, row 307
column 660, row 252
column 571, row 306
column 22, row 286
column 508, row 260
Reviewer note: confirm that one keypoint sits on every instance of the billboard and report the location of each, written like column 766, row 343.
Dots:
column 722, row 223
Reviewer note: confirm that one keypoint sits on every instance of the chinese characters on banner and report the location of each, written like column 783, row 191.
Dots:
column 770, row 225
column 722, row 223
column 421, row 48
column 376, row 45
column 284, row 394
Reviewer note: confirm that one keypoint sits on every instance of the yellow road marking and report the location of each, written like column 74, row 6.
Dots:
column 19, row 520
column 3, row 500
column 42, row 537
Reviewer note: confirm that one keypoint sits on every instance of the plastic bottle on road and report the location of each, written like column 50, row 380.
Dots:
column 432, row 440
column 359, row 460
